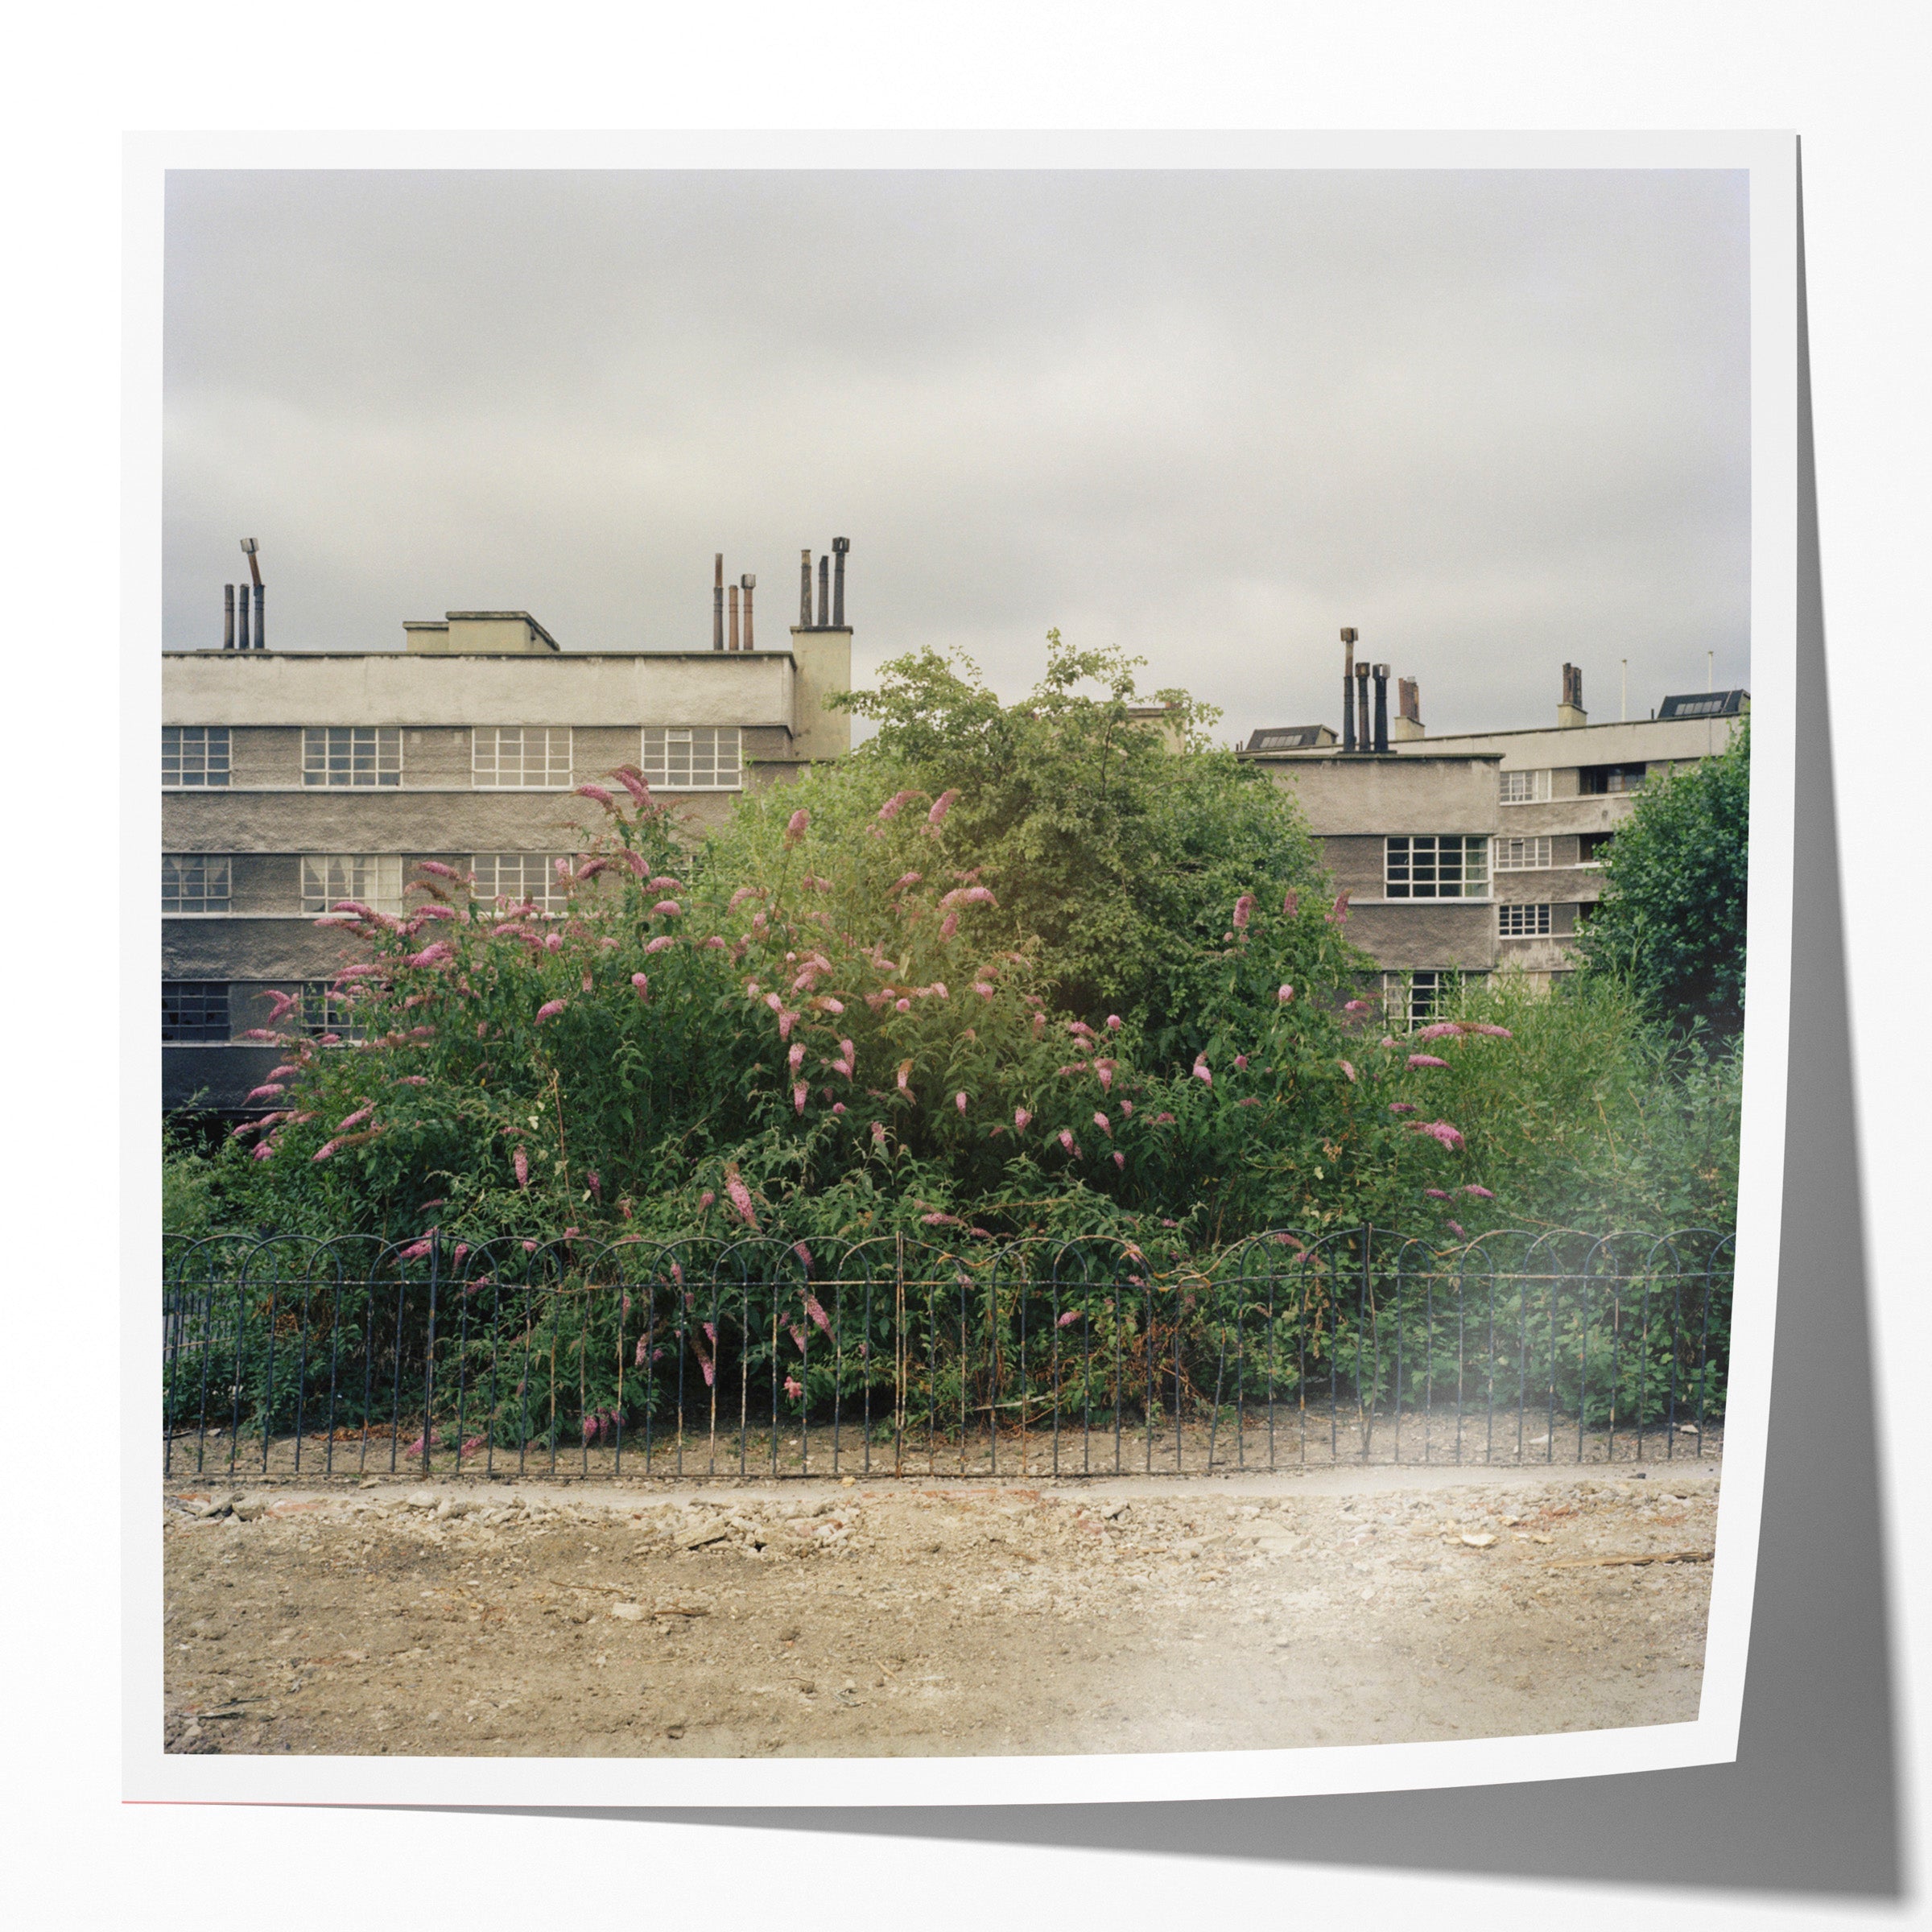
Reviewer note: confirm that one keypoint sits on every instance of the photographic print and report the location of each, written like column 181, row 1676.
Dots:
column 956, row 967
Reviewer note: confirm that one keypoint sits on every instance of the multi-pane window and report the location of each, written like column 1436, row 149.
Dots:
column 1522, row 855
column 693, row 758
column 1592, row 846
column 194, row 754
column 352, row 754
column 526, row 756
column 326, row 1009
column 1522, row 922
column 194, row 1010
column 1413, row 999
column 1525, row 787
column 519, row 878
column 375, row 878
column 1432, row 866
column 1596, row 779
column 194, row 881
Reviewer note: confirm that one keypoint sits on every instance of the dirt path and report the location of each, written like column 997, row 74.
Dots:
column 1374, row 1607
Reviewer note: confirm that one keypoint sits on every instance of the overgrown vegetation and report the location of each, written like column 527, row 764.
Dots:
column 1038, row 968
column 1671, row 921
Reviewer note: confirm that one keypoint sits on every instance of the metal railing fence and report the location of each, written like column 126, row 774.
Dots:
column 320, row 1359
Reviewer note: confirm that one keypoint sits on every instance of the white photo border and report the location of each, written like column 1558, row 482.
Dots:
column 151, row 1775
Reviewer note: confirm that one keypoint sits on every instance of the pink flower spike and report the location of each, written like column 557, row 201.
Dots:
column 266, row 1091
column 1163, row 1119
column 741, row 1194
column 795, row 826
column 662, row 884
column 878, row 1133
column 1114, row 1022
column 1355, row 1006
column 1065, row 1137
column 1244, row 911
column 1457, row 1229
column 958, row 1100
column 1284, row 992
column 797, row 1098
column 940, row 806
column 1021, row 1116
column 589, row 983
column 321, row 1154
column 1481, row 1194
column 1349, row 1070
column 553, row 942
column 597, row 795
column 897, row 804
column 354, row 1120
column 1290, row 900
column 1120, row 1161
column 642, row 982
column 667, row 909
column 1338, row 913
column 838, row 1106
column 1401, row 1106
column 1105, row 1125
column 1127, row 1108
column 1425, row 1059
column 706, row 1200
column 792, row 1388
column 1240, row 1060
column 521, row 1161
column 661, row 943
column 1435, row 1194
column 1201, row 1072
column 1443, row 1030
column 1495, row 1033
column 550, row 1009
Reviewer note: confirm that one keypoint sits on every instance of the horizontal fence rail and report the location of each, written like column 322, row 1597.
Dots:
column 287, row 1357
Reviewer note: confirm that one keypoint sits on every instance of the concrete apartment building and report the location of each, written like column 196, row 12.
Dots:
column 1477, row 851
column 291, row 780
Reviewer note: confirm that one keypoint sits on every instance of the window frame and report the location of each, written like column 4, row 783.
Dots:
column 174, row 862
column 1539, row 926
column 1534, row 852
column 207, row 736
column 494, row 734
column 1400, row 1005
column 316, row 1009
column 318, row 762
column 386, row 897
column 195, row 1035
column 1608, row 781
column 555, row 901
column 658, row 774
column 1538, row 792
column 1403, row 888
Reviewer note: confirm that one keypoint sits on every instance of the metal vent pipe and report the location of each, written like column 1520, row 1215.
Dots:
column 805, row 590
column 732, row 597
column 825, row 593
column 228, row 617
column 1349, row 637
column 747, row 583
column 1381, row 708
column 839, row 546
column 717, row 601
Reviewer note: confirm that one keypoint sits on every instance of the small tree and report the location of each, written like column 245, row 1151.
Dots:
column 1672, row 918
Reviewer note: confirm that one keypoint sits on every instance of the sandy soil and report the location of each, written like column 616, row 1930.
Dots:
column 887, row 1619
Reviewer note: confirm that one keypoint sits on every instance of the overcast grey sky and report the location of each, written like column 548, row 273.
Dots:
column 1496, row 421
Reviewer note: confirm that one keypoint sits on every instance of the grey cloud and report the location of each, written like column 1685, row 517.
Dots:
column 1496, row 421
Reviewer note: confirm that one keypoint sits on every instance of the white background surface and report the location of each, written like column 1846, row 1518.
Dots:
column 1851, row 83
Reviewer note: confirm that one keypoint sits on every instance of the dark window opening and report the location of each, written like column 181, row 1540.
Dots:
column 1592, row 847
column 194, row 1010
column 1599, row 779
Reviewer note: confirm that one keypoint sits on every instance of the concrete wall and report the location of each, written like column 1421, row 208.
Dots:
column 266, row 950
column 425, row 688
column 1342, row 794
column 823, row 658
column 1408, row 936
column 1639, row 742
column 367, row 821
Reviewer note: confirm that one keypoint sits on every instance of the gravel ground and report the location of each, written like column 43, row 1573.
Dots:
column 815, row 1619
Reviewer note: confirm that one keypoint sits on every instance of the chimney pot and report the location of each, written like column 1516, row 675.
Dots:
column 734, row 644
column 747, row 583
column 1381, row 708
column 825, row 593
column 840, row 546
column 804, row 590
column 228, row 617
column 1349, row 637
column 717, row 601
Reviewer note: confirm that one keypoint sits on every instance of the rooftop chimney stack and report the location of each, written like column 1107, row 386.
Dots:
column 840, row 546
column 1349, row 637
column 1363, row 740
column 228, row 617
column 1407, row 723
column 747, row 583
column 241, row 641
column 825, row 593
column 1570, row 711
column 254, row 571
column 734, row 644
column 1381, row 708
column 717, row 601
column 804, row 590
